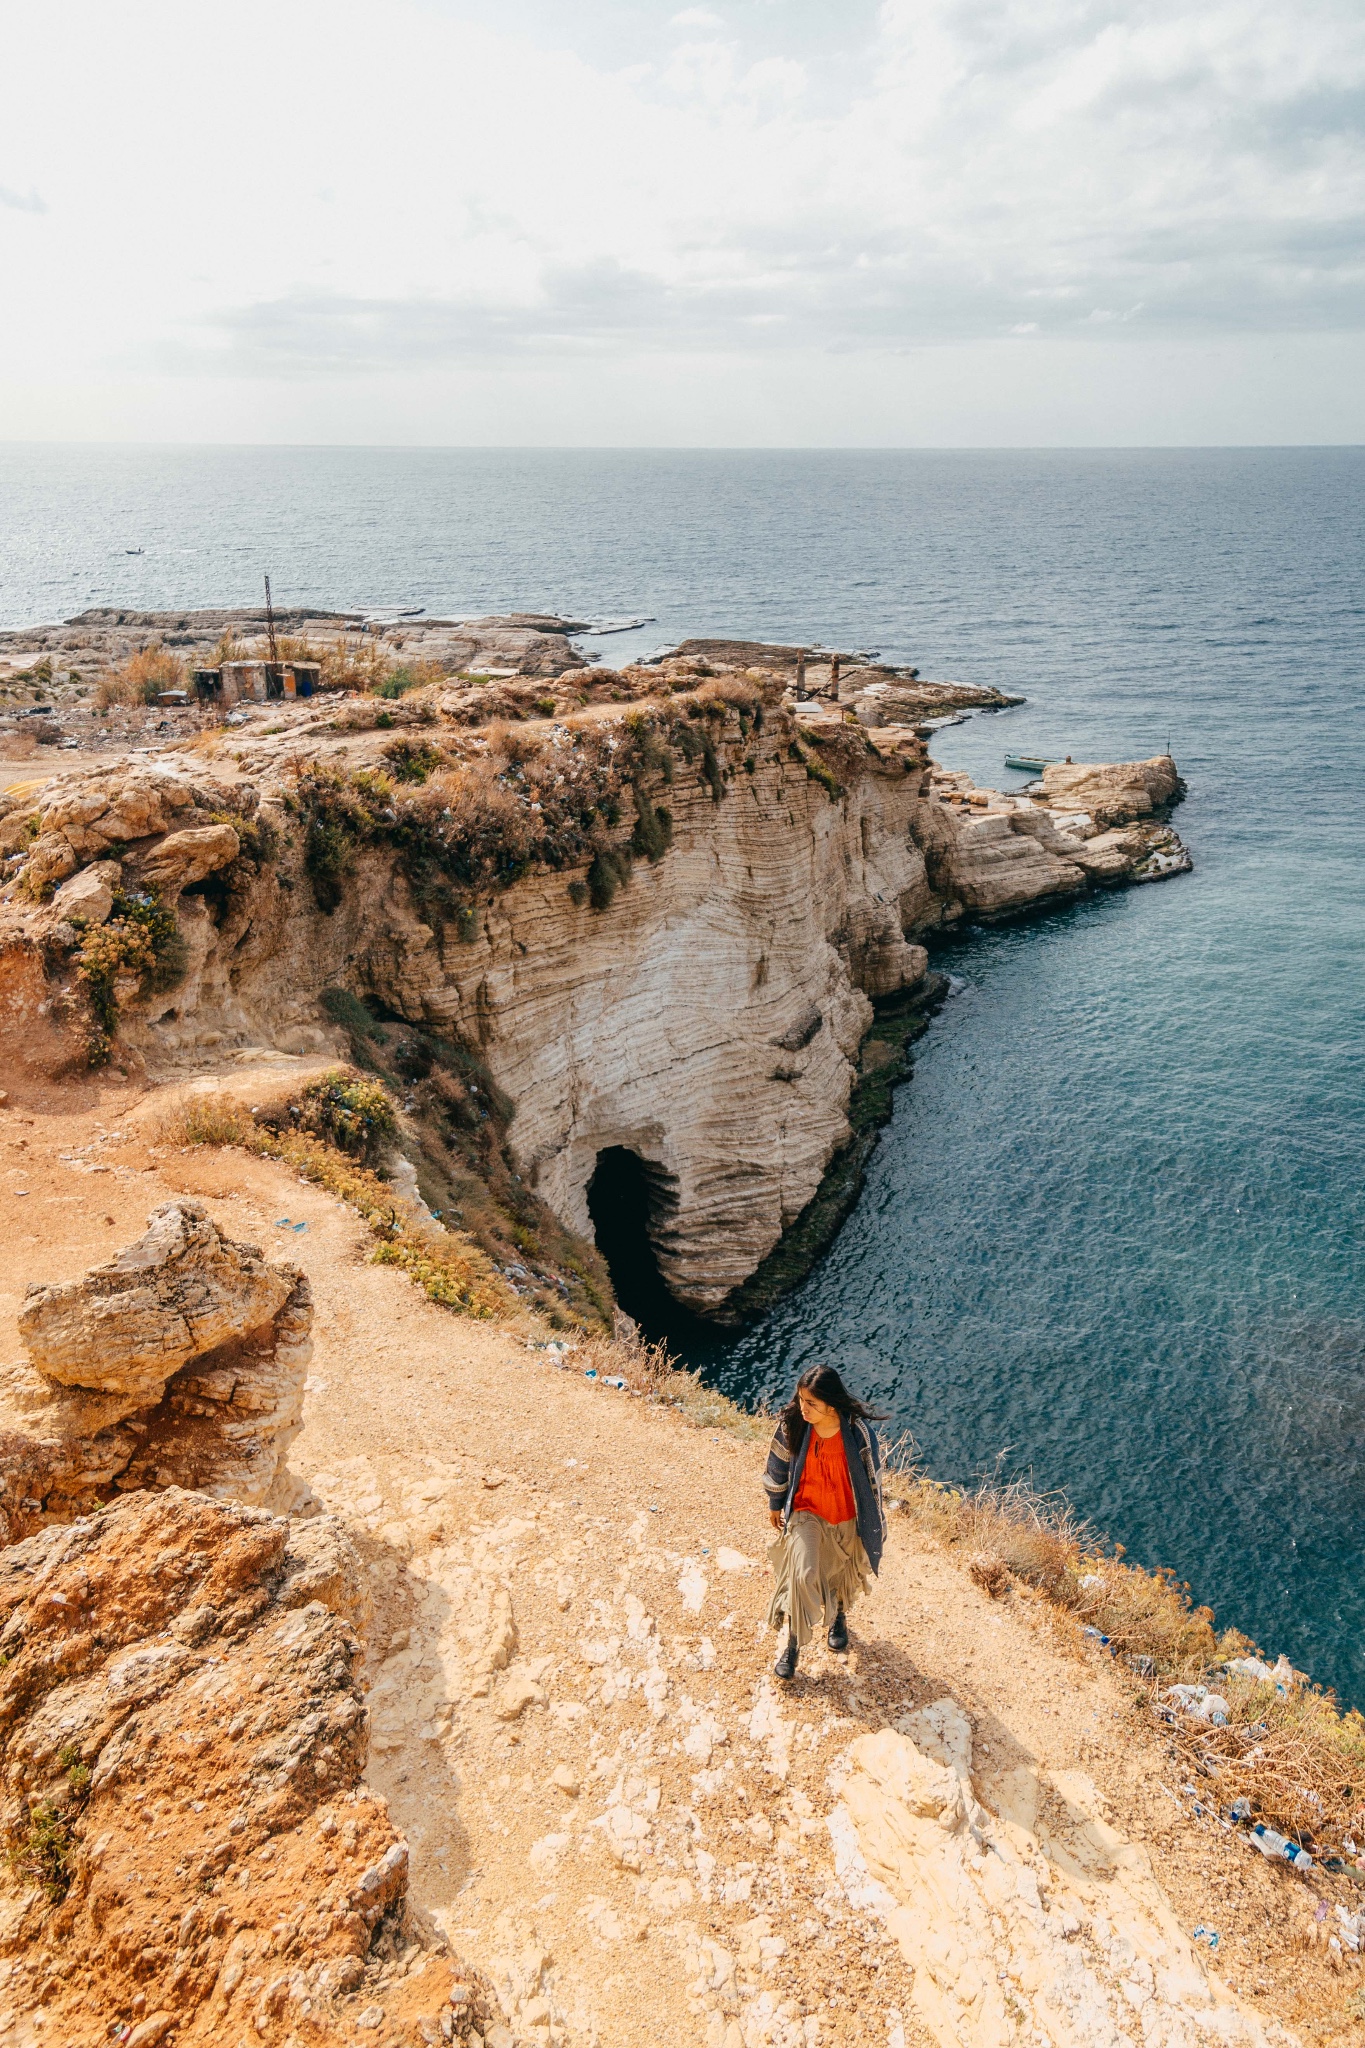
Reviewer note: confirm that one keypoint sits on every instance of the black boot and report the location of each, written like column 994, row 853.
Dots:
column 838, row 1635
column 785, row 1666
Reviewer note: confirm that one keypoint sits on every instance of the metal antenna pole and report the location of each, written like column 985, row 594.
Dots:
column 270, row 622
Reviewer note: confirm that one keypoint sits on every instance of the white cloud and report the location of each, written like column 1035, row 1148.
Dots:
column 437, row 196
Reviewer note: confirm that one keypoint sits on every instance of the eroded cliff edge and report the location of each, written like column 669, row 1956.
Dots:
column 661, row 922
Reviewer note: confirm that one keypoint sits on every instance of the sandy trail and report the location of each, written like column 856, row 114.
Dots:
column 610, row 1805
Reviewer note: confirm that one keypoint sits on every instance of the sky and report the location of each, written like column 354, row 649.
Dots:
column 759, row 222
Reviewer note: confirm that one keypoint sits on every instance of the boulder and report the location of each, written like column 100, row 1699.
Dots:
column 184, row 858
column 180, row 1363
column 182, row 1289
column 51, row 859
column 90, row 893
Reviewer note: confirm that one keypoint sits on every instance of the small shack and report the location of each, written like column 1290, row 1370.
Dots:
column 256, row 682
column 245, row 681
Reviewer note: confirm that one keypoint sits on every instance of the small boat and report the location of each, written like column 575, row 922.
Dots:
column 134, row 551
column 1033, row 764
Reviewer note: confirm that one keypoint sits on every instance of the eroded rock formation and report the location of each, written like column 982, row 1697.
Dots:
column 703, row 1012
column 192, row 1854
column 181, row 1362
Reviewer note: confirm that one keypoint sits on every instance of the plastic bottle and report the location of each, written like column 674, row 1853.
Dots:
column 1277, row 1846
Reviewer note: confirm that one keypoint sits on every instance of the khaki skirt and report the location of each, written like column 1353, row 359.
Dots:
column 819, row 1567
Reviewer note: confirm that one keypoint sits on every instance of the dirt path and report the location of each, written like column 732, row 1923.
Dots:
column 610, row 1805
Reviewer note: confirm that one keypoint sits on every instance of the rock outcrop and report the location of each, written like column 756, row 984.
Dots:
column 703, row 1011
column 191, row 1852
column 179, row 1363
column 532, row 643
column 1112, row 794
column 1035, row 1922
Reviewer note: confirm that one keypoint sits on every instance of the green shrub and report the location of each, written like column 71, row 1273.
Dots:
column 411, row 760
column 354, row 1115
column 257, row 837
column 348, row 1010
column 397, row 683
column 653, row 834
column 609, row 872
column 139, row 937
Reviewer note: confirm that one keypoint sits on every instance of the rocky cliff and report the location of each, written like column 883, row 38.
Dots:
column 182, row 1736
column 661, row 923
column 180, row 1362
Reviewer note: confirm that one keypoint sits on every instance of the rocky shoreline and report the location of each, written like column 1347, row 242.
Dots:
column 658, row 905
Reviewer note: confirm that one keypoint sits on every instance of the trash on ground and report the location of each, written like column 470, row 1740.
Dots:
column 1278, row 1848
column 1280, row 1674
column 1202, row 1704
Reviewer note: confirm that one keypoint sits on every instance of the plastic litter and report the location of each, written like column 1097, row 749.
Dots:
column 1202, row 1704
column 282, row 1223
column 1352, row 1929
column 614, row 1380
column 1278, row 1848
column 1097, row 1637
column 300, row 1226
column 1241, row 1809
column 590, row 1373
column 1280, row 1674
column 1208, row 1934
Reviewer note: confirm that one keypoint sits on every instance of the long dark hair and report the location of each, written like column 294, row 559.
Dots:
column 824, row 1384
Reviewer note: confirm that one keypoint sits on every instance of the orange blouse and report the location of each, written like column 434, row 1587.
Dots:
column 826, row 1489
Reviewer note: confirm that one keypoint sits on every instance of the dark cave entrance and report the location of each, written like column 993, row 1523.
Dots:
column 630, row 1201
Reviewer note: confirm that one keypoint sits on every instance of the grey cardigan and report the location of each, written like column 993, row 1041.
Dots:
column 782, row 1476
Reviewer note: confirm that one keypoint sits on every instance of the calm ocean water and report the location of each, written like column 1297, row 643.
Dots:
column 1112, row 1236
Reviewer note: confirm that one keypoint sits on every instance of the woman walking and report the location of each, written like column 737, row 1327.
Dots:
column 824, row 1488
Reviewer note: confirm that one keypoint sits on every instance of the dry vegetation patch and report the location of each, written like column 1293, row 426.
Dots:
column 446, row 1264
column 1280, row 1745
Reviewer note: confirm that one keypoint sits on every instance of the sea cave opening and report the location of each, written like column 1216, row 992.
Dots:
column 630, row 1200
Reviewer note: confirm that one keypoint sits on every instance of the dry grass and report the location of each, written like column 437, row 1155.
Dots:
column 353, row 661
column 1297, row 1760
column 445, row 1264
column 652, row 1371
column 230, row 647
column 139, row 679
column 453, row 1271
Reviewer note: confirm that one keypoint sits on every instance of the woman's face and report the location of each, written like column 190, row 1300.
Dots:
column 818, row 1414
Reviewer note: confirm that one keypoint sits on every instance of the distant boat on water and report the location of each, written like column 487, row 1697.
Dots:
column 1033, row 763
column 135, row 551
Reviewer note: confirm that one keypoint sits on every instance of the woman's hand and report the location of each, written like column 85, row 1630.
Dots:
column 775, row 1517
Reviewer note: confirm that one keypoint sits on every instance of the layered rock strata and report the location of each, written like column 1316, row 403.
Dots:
column 181, row 1362
column 704, row 1012
column 191, row 1852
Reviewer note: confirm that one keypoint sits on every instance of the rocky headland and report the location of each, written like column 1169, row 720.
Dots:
column 659, row 906
column 383, row 1655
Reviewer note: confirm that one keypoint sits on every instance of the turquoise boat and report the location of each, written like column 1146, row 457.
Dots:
column 1032, row 762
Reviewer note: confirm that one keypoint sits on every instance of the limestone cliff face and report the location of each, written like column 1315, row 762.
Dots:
column 706, row 1017
column 709, row 1021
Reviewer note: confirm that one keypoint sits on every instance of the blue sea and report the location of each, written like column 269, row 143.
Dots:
column 1112, row 1236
